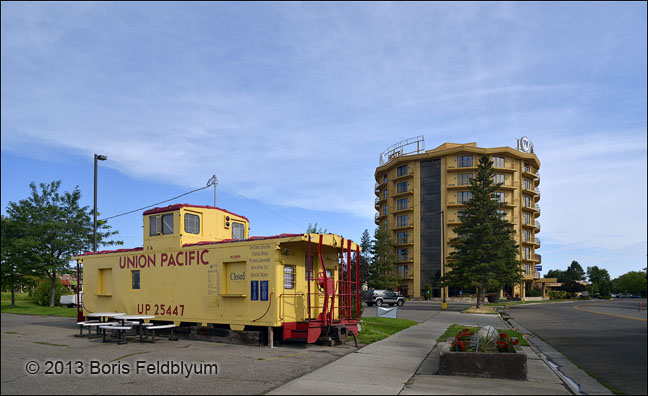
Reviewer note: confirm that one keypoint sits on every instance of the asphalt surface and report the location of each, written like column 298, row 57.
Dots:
column 32, row 346
column 605, row 338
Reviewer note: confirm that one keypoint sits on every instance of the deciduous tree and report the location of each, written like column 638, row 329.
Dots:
column 52, row 228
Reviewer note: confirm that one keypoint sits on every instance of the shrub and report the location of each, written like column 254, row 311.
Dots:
column 557, row 295
column 534, row 293
column 41, row 293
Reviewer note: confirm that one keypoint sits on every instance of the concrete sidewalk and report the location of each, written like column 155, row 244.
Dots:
column 405, row 363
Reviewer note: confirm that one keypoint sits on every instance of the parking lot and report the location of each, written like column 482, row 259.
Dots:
column 64, row 364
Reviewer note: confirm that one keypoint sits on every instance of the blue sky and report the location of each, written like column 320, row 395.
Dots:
column 290, row 104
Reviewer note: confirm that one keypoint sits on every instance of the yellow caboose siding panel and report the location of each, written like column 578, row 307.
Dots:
column 255, row 282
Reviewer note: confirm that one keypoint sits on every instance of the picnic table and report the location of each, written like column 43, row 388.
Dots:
column 138, row 318
column 104, row 318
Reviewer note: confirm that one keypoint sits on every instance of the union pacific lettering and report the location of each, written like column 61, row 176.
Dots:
column 178, row 259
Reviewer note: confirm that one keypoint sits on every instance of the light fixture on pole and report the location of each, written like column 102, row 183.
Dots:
column 97, row 157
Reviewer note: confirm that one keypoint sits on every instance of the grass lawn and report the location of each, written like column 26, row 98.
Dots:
column 25, row 306
column 506, row 304
column 375, row 329
column 454, row 329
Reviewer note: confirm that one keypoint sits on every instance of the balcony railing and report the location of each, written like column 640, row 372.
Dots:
column 537, row 190
column 537, row 226
column 538, row 258
column 537, row 242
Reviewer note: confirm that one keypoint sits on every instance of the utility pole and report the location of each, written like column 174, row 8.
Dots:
column 213, row 180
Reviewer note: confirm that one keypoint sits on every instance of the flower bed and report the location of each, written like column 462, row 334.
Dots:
column 490, row 357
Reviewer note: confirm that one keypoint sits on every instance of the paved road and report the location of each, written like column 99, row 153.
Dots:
column 606, row 338
column 418, row 311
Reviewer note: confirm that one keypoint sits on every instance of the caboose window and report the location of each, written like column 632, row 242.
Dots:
column 154, row 225
column 289, row 277
column 238, row 231
column 167, row 224
column 192, row 223
column 135, row 279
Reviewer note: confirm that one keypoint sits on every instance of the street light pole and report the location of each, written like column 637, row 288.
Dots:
column 94, row 212
column 444, row 304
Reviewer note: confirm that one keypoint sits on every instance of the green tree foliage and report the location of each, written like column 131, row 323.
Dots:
column 381, row 270
column 17, row 269
column 572, row 287
column 599, row 280
column 574, row 272
column 41, row 293
column 312, row 229
column 365, row 257
column 51, row 228
column 633, row 282
column 556, row 274
column 485, row 255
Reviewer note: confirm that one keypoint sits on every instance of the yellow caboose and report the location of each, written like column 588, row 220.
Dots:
column 198, row 266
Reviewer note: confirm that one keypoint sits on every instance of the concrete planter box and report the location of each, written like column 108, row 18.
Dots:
column 483, row 364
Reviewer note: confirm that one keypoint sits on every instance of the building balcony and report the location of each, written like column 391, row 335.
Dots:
column 537, row 179
column 409, row 208
column 379, row 201
column 529, row 171
column 536, row 242
column 536, row 275
column 409, row 173
column 379, row 216
column 537, row 209
column 405, row 243
column 538, row 259
column 537, row 226
column 537, row 193
column 409, row 191
column 403, row 259
column 410, row 224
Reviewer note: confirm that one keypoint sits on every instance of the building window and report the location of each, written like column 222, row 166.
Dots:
column 192, row 223
column 527, row 168
column 289, row 277
column 403, row 254
column 385, row 194
column 527, row 236
column 499, row 179
column 527, row 253
column 385, row 178
column 527, row 218
column 401, row 187
column 527, row 184
column 238, row 231
column 463, row 196
column 135, row 279
column 402, row 203
column 402, row 237
column 384, row 209
column 403, row 221
column 464, row 161
column 527, row 269
column 527, row 201
column 499, row 197
column 501, row 213
column 403, row 271
column 463, row 179
column 161, row 224
column 402, row 170
column 498, row 162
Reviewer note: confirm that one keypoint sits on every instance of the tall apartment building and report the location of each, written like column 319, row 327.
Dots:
column 419, row 194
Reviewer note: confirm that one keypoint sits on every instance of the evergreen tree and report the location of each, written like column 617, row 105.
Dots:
column 574, row 272
column 50, row 228
column 600, row 281
column 485, row 255
column 365, row 257
column 381, row 270
column 312, row 229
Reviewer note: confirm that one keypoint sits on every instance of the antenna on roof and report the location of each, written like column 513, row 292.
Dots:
column 213, row 180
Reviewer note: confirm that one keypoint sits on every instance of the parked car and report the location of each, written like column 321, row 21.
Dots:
column 380, row 297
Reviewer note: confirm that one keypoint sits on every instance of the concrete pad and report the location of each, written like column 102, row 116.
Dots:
column 531, row 355
column 409, row 342
column 378, row 361
column 446, row 385
column 430, row 365
column 317, row 387
column 338, row 373
column 537, row 371
column 389, row 350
